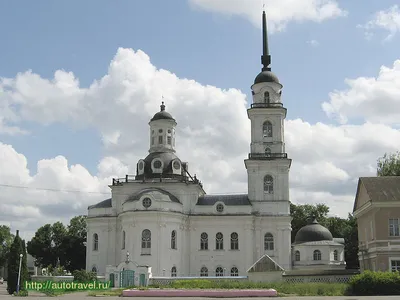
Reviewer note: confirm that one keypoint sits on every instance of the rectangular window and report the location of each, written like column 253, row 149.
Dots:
column 394, row 227
column 160, row 139
column 372, row 230
column 395, row 265
column 152, row 140
column 169, row 140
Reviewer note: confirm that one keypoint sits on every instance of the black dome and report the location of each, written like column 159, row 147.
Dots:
column 313, row 232
column 166, row 157
column 266, row 76
column 162, row 115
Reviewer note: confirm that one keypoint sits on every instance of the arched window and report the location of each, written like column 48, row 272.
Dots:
column 317, row 255
column 173, row 271
column 123, row 239
column 219, row 272
column 335, row 255
column 268, row 184
column 266, row 97
column 203, row 272
column 173, row 239
column 234, row 241
column 204, row 241
column 234, row 271
column 297, row 255
column 219, row 241
column 268, row 241
column 94, row 269
column 267, row 151
column 95, row 242
column 267, row 129
column 146, row 241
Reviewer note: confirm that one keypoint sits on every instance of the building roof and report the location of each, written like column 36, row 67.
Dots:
column 166, row 157
column 265, row 264
column 162, row 114
column 266, row 76
column 241, row 199
column 313, row 232
column 138, row 195
column 103, row 204
column 385, row 188
column 380, row 189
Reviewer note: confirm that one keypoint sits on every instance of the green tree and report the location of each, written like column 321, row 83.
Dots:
column 41, row 248
column 351, row 243
column 6, row 239
column 74, row 244
column 57, row 245
column 17, row 248
column 389, row 165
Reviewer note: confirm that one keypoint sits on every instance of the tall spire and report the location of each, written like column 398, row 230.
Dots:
column 265, row 58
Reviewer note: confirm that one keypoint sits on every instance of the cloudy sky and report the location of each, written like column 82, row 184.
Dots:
column 79, row 81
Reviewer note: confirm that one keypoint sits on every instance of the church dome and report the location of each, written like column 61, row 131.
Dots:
column 166, row 162
column 162, row 114
column 266, row 76
column 313, row 232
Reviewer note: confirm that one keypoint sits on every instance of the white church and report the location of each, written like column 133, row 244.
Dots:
column 163, row 220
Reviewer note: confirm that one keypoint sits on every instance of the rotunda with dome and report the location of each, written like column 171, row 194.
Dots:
column 315, row 247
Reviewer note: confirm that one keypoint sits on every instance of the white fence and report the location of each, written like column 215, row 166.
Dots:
column 160, row 281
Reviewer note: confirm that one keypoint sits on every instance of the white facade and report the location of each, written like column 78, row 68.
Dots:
column 163, row 218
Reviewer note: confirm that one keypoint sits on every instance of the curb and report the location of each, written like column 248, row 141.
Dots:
column 200, row 293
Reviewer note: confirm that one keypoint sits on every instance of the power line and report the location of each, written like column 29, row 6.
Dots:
column 87, row 192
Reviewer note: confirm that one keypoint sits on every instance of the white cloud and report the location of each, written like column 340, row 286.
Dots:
column 279, row 12
column 313, row 43
column 377, row 99
column 388, row 20
column 213, row 136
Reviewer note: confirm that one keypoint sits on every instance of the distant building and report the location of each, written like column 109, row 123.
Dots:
column 377, row 209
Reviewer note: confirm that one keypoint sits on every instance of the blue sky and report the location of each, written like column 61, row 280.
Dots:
column 83, row 36
column 195, row 43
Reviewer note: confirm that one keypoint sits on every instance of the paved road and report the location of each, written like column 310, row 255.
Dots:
column 83, row 296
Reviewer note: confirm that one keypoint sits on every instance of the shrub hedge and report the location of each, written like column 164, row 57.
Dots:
column 375, row 284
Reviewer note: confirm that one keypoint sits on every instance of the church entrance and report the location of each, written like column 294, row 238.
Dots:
column 126, row 278
column 112, row 279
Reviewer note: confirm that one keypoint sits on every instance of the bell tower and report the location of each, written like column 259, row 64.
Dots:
column 267, row 164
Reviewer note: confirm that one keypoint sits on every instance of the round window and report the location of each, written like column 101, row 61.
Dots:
column 146, row 202
column 141, row 165
column 220, row 208
column 160, row 130
column 176, row 165
column 157, row 164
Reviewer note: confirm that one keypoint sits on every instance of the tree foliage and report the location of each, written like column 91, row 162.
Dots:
column 6, row 239
column 55, row 245
column 340, row 228
column 389, row 165
column 17, row 248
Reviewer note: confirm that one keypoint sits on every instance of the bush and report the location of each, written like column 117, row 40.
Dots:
column 21, row 293
column 375, row 283
column 83, row 276
column 283, row 288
